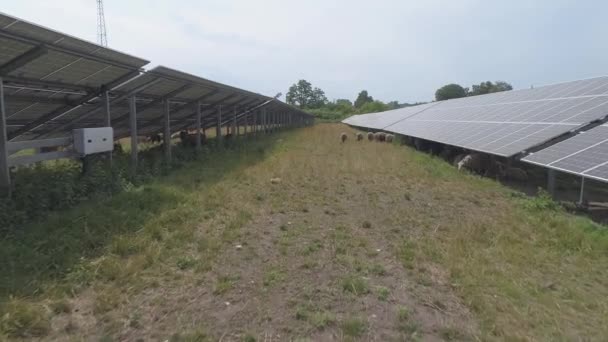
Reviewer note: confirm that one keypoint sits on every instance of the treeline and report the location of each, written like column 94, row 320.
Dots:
column 312, row 99
column 303, row 95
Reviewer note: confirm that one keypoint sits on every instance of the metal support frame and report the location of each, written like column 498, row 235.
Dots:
column 218, row 126
column 254, row 116
column 167, row 132
column 234, row 124
column 133, row 130
column 60, row 111
column 581, row 196
column 5, row 176
column 23, row 59
column 105, row 98
column 551, row 181
column 198, row 126
column 264, row 121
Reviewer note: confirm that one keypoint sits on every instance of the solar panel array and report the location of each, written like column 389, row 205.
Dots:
column 54, row 83
column 584, row 154
column 505, row 123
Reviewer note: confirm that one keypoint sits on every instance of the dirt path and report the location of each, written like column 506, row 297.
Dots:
column 318, row 255
column 300, row 237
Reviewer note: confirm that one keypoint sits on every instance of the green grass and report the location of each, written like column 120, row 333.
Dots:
column 522, row 267
column 355, row 285
column 353, row 327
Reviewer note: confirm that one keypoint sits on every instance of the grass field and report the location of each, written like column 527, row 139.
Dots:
column 354, row 241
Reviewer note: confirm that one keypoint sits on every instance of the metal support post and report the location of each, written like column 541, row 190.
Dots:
column 246, row 124
column 551, row 181
column 5, row 176
column 133, row 129
column 581, row 197
column 198, row 126
column 218, row 126
column 108, row 118
column 254, row 116
column 234, row 125
column 167, row 133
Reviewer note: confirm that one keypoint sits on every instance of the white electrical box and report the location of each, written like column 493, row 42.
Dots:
column 93, row 140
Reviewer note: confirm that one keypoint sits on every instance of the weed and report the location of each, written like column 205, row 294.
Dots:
column 22, row 319
column 249, row 338
column 322, row 319
column 223, row 284
column 355, row 284
column 378, row 270
column 383, row 293
column 273, row 276
column 406, row 254
column 353, row 327
column 184, row 263
column 403, row 314
column 366, row 224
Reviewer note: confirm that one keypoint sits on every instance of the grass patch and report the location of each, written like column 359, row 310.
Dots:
column 383, row 293
column 355, row 285
column 22, row 319
column 353, row 327
column 223, row 284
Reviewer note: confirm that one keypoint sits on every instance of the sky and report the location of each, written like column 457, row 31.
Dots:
column 397, row 50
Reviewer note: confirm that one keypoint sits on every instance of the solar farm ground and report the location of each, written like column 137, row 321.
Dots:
column 355, row 241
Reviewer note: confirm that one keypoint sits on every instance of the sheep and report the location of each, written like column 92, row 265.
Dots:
column 155, row 138
column 189, row 139
column 475, row 162
column 382, row 137
column 390, row 138
column 458, row 158
column 117, row 148
column 343, row 137
column 370, row 136
column 359, row 136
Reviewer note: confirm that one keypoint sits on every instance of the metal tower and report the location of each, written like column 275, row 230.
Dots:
column 102, row 36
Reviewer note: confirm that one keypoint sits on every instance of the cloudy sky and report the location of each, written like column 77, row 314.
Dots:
column 396, row 49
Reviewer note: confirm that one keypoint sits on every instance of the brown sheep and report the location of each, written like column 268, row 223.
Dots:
column 343, row 137
column 359, row 136
column 370, row 136
column 189, row 139
column 381, row 137
column 390, row 138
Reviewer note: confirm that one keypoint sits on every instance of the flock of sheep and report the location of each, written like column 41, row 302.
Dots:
column 378, row 136
column 480, row 163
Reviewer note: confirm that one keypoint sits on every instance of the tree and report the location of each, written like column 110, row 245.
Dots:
column 489, row 87
column 450, row 91
column 363, row 98
column 303, row 95
column 373, row 107
column 344, row 102
column 393, row 105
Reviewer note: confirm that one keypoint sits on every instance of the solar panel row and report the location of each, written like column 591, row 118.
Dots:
column 505, row 123
column 54, row 83
column 584, row 154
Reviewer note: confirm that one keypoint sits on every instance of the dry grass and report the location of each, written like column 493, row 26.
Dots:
column 357, row 241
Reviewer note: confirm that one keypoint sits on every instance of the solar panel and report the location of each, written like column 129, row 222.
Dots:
column 584, row 154
column 505, row 123
column 40, row 66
